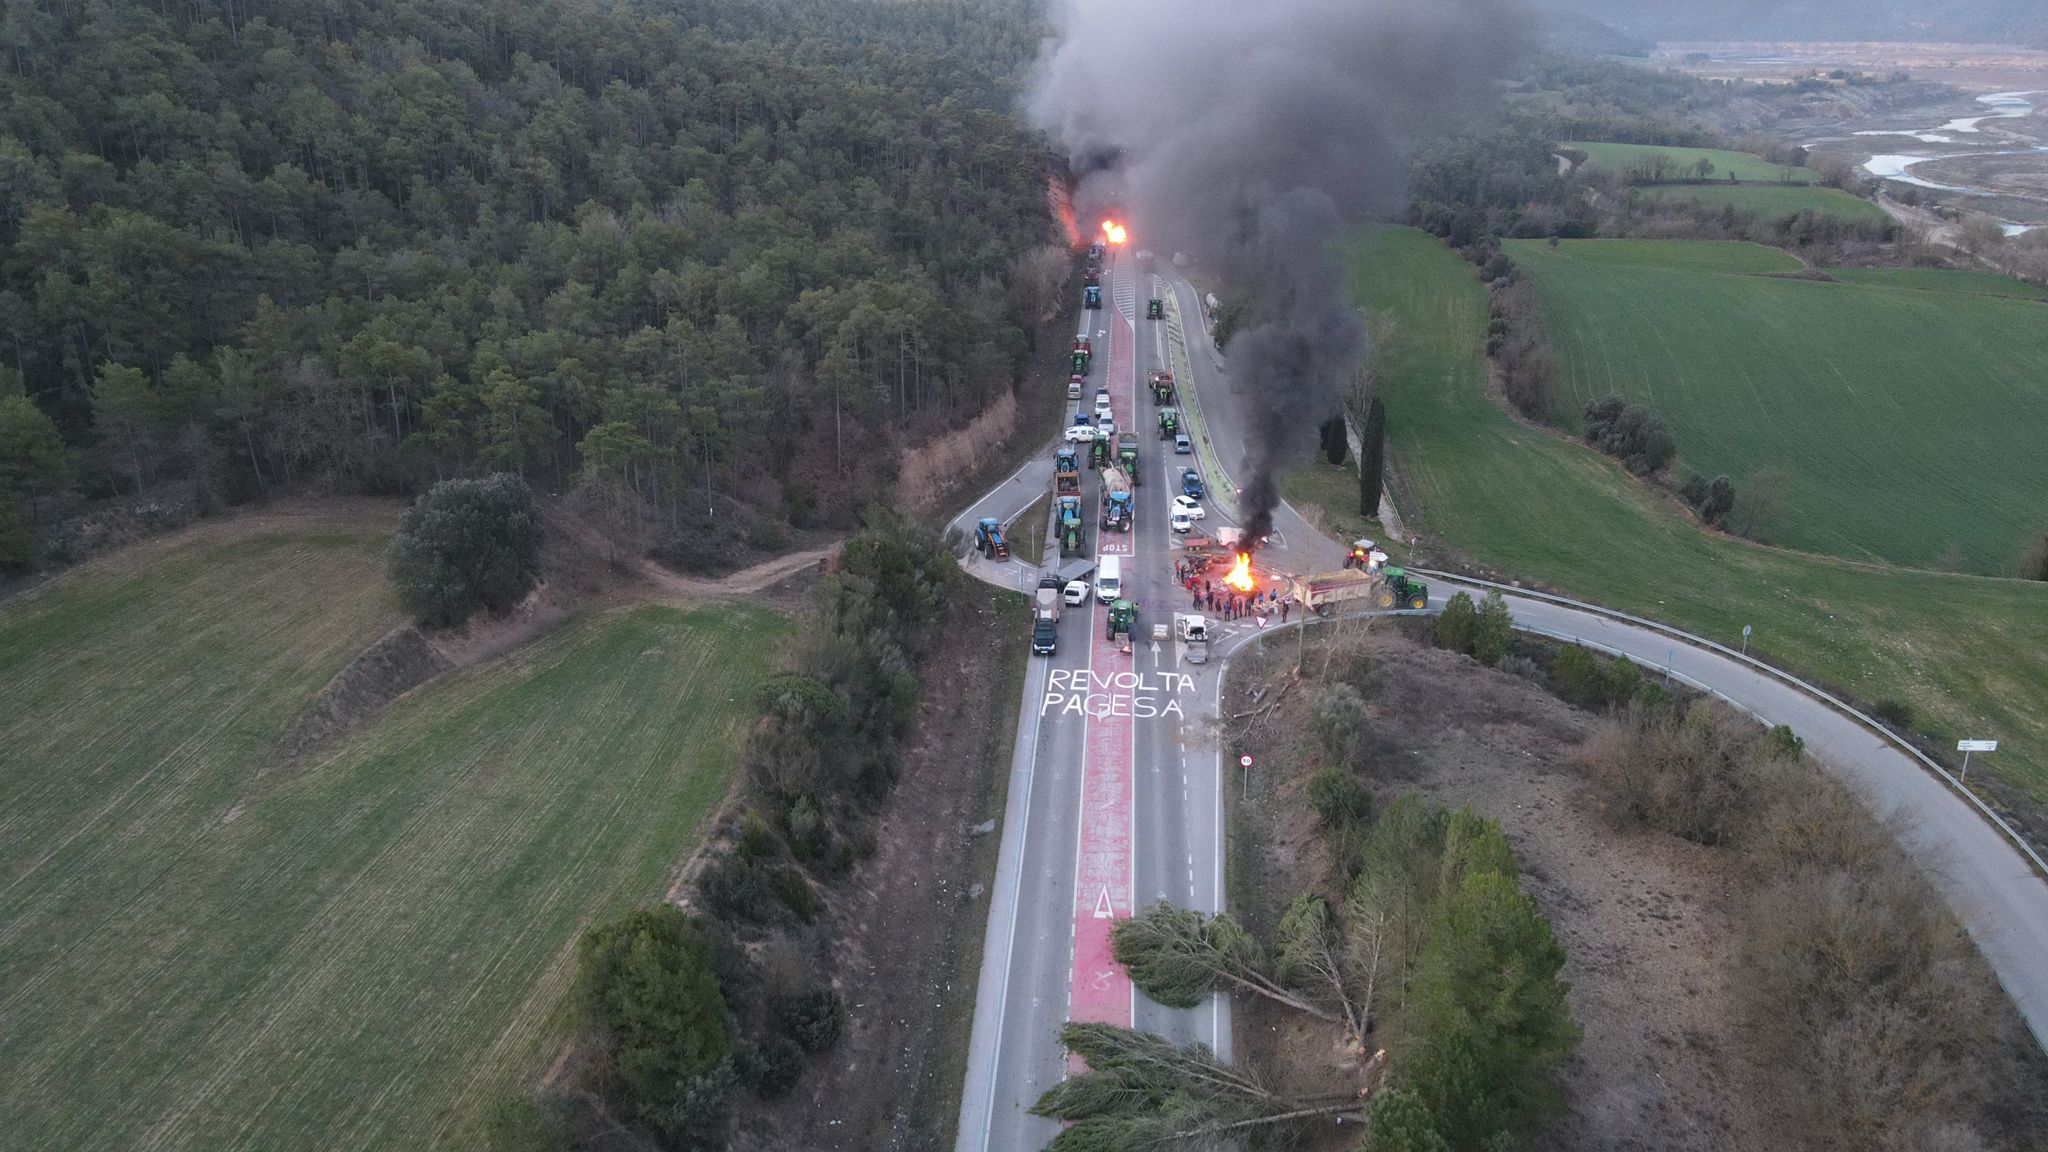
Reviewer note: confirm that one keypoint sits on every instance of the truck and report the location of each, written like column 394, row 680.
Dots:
column 1162, row 387
column 1123, row 620
column 1091, row 296
column 1066, row 471
column 1116, row 500
column 1169, row 423
column 988, row 539
column 1127, row 456
column 1192, row 630
column 1069, row 512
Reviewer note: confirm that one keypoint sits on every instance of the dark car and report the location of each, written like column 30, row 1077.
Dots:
column 1045, row 637
column 1191, row 483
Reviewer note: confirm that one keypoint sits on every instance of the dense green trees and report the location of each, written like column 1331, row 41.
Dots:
column 465, row 545
column 367, row 246
column 648, row 983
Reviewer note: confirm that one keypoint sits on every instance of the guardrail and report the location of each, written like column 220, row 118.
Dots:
column 1818, row 693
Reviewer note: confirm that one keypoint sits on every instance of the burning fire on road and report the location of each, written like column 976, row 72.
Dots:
column 1113, row 232
column 1240, row 576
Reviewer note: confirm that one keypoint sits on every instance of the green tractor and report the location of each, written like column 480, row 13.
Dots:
column 1098, row 453
column 1169, row 423
column 1400, row 590
column 1155, row 308
column 1123, row 621
column 1162, row 387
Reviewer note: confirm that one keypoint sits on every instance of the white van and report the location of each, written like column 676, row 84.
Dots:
column 1109, row 578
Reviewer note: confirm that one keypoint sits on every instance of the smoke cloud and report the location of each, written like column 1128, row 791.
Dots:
column 1251, row 136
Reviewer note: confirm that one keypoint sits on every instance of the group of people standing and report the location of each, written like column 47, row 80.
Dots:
column 1230, row 604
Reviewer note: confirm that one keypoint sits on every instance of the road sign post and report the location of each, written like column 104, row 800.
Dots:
column 1745, row 639
column 1965, row 747
column 1245, row 762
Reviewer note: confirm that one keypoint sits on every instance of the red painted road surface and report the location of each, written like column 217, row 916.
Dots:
column 1102, row 887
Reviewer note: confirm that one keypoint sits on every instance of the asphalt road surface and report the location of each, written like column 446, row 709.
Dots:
column 1114, row 796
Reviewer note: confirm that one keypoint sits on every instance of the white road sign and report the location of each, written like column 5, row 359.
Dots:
column 1976, row 745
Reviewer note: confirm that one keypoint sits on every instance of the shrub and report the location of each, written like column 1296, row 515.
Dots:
column 1631, row 434
column 1895, row 713
column 1339, row 724
column 465, row 545
column 1694, row 775
column 646, row 981
column 769, row 1069
column 813, row 1017
column 1493, row 634
column 1341, row 800
column 700, row 1112
column 1575, row 675
column 1784, row 743
column 1525, row 667
column 1624, row 680
column 1456, row 623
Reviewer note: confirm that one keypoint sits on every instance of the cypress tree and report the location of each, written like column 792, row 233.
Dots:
column 1372, row 459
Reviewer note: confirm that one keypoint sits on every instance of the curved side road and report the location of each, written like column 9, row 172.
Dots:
column 1987, row 881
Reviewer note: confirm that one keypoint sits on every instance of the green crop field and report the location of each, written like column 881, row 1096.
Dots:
column 207, row 950
column 1911, row 425
column 1941, row 280
column 1970, row 653
column 1747, row 167
column 1772, row 200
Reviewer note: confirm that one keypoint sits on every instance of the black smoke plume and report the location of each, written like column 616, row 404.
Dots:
column 1251, row 136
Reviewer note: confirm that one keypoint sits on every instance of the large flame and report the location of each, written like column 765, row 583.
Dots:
column 1113, row 231
column 1240, row 576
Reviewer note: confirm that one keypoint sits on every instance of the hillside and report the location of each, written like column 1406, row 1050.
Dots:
column 360, row 247
column 1962, row 21
column 1907, row 422
column 210, row 948
column 1969, row 654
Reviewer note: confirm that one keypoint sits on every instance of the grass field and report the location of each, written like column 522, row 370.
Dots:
column 1746, row 167
column 362, row 952
column 1941, row 280
column 1970, row 653
column 1912, row 424
column 1772, row 200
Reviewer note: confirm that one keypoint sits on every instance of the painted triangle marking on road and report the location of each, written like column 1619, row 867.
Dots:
column 1102, row 909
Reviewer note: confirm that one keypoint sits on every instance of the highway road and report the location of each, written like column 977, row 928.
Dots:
column 1115, row 782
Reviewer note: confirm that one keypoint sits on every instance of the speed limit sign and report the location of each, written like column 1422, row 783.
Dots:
column 1244, row 761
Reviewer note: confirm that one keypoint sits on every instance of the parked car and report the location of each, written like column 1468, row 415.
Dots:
column 1076, row 592
column 1080, row 434
column 1191, row 483
column 1045, row 637
column 1180, row 522
column 1188, row 506
column 1182, row 446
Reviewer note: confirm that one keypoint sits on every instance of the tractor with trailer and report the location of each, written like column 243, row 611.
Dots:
column 1398, row 589
column 1127, row 456
column 1069, row 511
column 1091, row 296
column 1155, row 309
column 1325, row 590
column 1093, row 278
column 988, row 539
column 1066, row 471
column 1116, row 501
column 1123, row 620
column 1169, row 423
column 1083, row 355
column 1162, row 387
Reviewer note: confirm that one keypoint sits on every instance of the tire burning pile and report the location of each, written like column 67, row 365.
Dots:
column 1269, row 131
